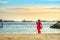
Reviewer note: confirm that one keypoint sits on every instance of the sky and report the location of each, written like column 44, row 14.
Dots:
column 30, row 9
column 29, row 3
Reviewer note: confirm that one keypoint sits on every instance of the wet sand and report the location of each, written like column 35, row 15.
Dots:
column 47, row 36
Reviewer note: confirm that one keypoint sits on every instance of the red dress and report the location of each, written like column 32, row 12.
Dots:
column 39, row 26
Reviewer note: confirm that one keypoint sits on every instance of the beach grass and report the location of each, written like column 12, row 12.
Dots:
column 46, row 36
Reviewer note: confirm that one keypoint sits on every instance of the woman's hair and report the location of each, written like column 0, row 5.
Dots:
column 38, row 20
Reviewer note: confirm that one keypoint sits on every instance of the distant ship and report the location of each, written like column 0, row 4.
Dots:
column 26, row 21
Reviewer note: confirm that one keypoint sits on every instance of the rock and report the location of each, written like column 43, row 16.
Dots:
column 57, row 25
column 1, row 25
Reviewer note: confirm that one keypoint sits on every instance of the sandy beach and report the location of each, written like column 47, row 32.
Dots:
column 50, row 36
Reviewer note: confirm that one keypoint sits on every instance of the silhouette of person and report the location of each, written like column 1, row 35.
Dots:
column 39, row 26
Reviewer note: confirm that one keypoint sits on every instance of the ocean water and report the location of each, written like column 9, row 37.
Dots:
column 26, row 28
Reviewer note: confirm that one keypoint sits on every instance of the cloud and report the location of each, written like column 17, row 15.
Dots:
column 3, row 2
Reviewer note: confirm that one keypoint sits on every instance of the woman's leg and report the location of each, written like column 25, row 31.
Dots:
column 39, row 31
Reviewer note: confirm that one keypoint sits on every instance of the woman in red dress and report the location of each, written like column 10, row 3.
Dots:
column 39, row 26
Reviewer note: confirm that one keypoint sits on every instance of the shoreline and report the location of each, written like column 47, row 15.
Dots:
column 45, row 36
